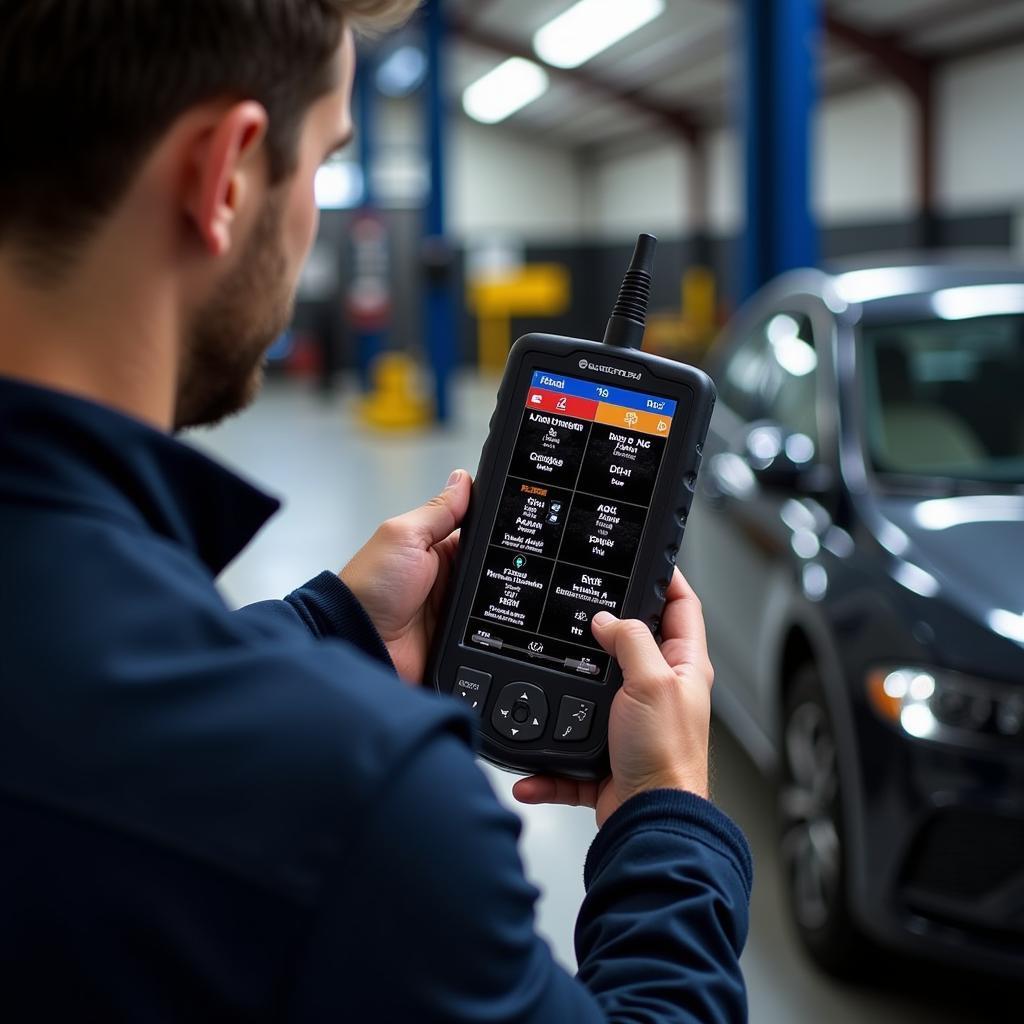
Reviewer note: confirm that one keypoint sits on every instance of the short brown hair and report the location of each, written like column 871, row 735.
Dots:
column 87, row 87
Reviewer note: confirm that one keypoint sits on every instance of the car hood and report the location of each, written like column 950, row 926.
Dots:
column 973, row 547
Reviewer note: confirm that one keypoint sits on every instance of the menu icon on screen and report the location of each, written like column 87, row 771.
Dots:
column 571, row 516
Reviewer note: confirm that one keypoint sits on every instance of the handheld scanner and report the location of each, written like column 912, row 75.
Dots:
column 580, row 503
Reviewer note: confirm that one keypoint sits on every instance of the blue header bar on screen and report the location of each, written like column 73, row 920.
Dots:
column 603, row 393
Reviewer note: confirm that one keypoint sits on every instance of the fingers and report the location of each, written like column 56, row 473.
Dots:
column 543, row 790
column 683, row 630
column 440, row 517
column 630, row 643
column 679, row 587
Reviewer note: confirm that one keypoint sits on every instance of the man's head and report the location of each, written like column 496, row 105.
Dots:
column 206, row 119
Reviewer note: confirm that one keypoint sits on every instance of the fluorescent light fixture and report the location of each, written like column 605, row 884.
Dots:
column 590, row 27
column 339, row 185
column 979, row 300
column 508, row 88
column 403, row 72
column 879, row 283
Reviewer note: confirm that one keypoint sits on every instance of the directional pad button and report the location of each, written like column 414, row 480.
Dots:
column 520, row 712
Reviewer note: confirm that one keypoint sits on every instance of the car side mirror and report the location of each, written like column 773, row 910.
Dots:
column 784, row 460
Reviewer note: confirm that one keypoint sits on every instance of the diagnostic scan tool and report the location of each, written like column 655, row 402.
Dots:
column 579, row 506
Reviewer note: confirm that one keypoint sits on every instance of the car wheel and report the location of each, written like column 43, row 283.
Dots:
column 811, row 841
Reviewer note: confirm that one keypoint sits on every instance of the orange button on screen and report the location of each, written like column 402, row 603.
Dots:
column 634, row 420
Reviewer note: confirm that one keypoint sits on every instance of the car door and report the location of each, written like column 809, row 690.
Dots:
column 738, row 549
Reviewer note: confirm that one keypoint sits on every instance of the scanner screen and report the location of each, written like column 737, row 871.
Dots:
column 572, row 514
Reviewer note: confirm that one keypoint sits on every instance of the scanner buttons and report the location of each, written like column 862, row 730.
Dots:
column 575, row 720
column 520, row 712
column 472, row 687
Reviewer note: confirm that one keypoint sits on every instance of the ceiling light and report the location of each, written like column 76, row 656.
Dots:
column 591, row 26
column 508, row 88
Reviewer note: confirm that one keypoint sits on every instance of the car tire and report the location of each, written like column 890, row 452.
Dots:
column 811, row 842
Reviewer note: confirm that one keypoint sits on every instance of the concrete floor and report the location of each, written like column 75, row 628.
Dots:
column 339, row 483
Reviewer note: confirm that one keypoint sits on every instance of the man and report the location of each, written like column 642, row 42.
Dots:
column 225, row 815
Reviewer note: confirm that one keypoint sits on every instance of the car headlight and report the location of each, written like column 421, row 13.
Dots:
column 947, row 707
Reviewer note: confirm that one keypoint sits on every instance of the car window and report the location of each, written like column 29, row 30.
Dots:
column 772, row 375
column 943, row 397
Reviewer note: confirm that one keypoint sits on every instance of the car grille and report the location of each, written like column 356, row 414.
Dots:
column 967, row 868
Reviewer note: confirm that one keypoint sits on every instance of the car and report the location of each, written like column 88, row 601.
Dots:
column 857, row 541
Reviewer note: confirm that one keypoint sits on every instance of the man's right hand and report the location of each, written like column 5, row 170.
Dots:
column 661, row 717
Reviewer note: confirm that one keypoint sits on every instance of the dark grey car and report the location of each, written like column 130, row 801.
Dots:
column 858, row 543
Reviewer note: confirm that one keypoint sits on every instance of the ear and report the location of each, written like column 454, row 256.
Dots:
column 224, row 168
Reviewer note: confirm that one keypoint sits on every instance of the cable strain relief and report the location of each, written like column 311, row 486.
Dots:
column 634, row 297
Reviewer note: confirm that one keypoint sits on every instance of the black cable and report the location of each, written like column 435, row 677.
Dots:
column 629, row 318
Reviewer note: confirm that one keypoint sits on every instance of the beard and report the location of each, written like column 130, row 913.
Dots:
column 225, row 348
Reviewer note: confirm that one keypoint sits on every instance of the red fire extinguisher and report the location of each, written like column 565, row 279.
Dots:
column 369, row 294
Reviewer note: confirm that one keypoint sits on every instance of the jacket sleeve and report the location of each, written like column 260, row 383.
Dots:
column 328, row 610
column 432, row 919
column 665, row 918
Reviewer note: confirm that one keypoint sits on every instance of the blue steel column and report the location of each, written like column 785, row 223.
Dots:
column 780, row 50
column 440, row 306
column 368, row 343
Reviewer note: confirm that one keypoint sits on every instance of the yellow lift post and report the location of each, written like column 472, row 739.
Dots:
column 687, row 334
column 540, row 289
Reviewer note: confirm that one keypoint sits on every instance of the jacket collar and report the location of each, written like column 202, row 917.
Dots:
column 59, row 450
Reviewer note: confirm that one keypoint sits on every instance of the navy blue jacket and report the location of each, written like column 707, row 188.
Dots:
column 217, row 815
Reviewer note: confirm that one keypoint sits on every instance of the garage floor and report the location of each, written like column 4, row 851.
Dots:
column 339, row 483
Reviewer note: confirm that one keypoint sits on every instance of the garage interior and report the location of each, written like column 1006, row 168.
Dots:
column 751, row 139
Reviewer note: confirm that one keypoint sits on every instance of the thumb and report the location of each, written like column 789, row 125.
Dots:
column 441, row 516
column 633, row 646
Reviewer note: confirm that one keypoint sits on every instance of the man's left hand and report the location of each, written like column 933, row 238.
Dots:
column 401, row 575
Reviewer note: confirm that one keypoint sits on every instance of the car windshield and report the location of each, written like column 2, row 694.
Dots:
column 945, row 398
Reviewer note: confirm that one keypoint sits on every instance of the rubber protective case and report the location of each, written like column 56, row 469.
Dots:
column 652, row 572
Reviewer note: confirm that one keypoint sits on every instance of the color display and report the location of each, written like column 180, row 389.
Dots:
column 570, row 520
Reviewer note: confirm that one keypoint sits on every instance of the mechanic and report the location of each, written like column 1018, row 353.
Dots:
column 217, row 815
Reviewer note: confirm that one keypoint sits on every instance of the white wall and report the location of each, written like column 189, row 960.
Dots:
column 725, row 183
column 500, row 182
column 981, row 131
column 865, row 154
column 503, row 182
column 628, row 194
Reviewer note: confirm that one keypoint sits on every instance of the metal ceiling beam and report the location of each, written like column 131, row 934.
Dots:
column 948, row 13
column 677, row 119
column 979, row 47
column 913, row 71
column 711, row 45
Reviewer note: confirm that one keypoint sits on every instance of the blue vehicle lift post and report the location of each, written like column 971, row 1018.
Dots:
column 437, row 253
column 780, row 45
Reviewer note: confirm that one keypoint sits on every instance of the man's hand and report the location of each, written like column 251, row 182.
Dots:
column 400, row 576
column 661, row 718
